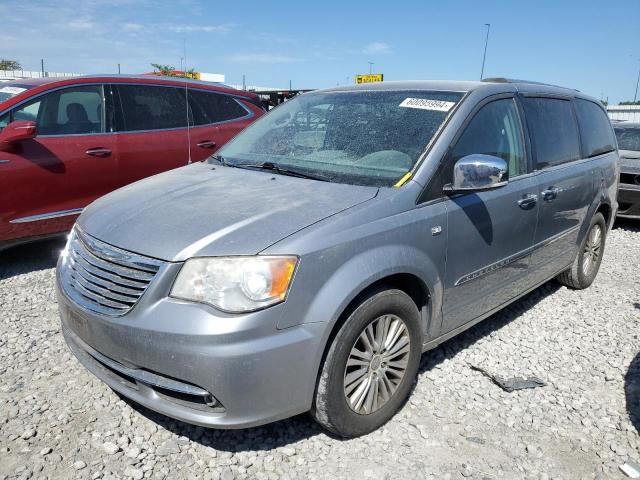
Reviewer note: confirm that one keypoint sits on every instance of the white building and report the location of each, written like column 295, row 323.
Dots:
column 625, row 113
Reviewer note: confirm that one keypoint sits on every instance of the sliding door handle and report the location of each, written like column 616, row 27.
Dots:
column 550, row 194
column 528, row 201
column 207, row 144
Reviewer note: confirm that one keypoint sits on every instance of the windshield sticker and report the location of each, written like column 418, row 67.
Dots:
column 427, row 104
column 12, row 90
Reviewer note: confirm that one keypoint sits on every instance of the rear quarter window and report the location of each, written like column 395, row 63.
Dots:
column 553, row 131
column 595, row 129
column 211, row 107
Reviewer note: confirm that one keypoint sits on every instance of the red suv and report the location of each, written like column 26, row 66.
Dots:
column 66, row 141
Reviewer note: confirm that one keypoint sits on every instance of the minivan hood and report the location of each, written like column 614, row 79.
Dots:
column 205, row 210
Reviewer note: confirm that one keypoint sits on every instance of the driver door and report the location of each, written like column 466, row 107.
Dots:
column 491, row 232
column 48, row 180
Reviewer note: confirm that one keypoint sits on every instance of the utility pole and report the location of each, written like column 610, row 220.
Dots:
column 370, row 66
column 486, row 42
column 244, row 83
column 289, row 85
column 42, row 66
column 118, row 69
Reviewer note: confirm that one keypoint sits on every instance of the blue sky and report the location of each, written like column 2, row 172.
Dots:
column 590, row 45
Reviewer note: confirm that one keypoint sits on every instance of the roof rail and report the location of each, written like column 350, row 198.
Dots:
column 515, row 80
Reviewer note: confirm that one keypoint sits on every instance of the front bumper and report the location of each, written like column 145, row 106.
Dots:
column 629, row 193
column 167, row 355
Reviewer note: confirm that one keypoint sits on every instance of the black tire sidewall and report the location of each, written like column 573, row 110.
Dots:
column 344, row 421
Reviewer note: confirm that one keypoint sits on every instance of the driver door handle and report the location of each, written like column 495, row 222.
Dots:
column 98, row 152
column 528, row 201
column 550, row 194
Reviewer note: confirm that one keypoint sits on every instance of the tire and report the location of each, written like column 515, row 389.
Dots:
column 362, row 413
column 590, row 253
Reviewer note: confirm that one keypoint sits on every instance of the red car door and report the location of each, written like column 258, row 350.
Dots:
column 217, row 118
column 48, row 180
column 151, row 125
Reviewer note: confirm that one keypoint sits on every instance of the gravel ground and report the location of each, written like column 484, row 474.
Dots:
column 58, row 421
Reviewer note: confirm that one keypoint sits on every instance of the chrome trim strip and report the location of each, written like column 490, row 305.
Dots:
column 47, row 216
column 512, row 258
column 4, row 161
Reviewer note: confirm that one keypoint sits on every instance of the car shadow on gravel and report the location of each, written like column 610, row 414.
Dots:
column 30, row 257
column 455, row 345
column 627, row 224
column 632, row 390
column 267, row 437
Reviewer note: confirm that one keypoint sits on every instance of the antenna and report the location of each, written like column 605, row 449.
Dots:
column 186, row 99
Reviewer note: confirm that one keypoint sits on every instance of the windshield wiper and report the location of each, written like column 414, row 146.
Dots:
column 222, row 160
column 273, row 167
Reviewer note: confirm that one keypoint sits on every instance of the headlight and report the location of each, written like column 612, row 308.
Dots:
column 235, row 284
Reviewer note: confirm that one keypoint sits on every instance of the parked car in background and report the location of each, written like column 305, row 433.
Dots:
column 309, row 264
column 66, row 141
column 629, row 191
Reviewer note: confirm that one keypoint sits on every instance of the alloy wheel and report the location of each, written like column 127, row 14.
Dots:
column 592, row 250
column 376, row 364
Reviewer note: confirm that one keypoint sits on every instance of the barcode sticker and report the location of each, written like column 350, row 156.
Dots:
column 427, row 104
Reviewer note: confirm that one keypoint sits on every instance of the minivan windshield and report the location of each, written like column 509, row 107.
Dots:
column 358, row 137
column 628, row 138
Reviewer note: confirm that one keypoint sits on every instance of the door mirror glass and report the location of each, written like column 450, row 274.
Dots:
column 478, row 172
column 17, row 131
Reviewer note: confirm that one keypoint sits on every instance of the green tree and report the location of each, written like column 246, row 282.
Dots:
column 629, row 102
column 170, row 71
column 6, row 64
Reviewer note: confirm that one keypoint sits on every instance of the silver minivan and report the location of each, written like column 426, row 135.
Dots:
column 311, row 262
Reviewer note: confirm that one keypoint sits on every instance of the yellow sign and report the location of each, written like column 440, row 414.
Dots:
column 369, row 78
column 193, row 75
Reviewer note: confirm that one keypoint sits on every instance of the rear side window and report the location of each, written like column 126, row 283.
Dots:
column 209, row 107
column 595, row 129
column 148, row 107
column 553, row 131
column 628, row 138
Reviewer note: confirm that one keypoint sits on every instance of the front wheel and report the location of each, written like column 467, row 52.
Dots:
column 587, row 263
column 370, row 366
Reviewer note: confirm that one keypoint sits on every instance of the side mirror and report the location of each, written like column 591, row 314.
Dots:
column 17, row 131
column 476, row 172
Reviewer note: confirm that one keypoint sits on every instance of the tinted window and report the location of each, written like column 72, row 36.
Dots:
column 595, row 129
column 553, row 131
column 494, row 130
column 146, row 107
column 210, row 107
column 4, row 120
column 628, row 138
column 72, row 111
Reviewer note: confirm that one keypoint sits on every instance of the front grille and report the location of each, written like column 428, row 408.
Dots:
column 103, row 278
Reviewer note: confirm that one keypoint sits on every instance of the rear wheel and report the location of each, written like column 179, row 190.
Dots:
column 587, row 263
column 370, row 366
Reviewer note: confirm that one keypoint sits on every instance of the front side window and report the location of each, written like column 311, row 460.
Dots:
column 595, row 129
column 148, row 107
column 4, row 120
column 209, row 107
column 361, row 137
column 628, row 138
column 553, row 131
column 70, row 111
column 494, row 130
